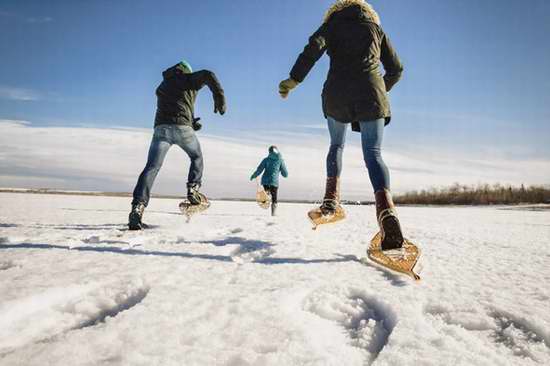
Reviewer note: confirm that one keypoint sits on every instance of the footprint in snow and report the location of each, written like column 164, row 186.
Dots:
column 368, row 321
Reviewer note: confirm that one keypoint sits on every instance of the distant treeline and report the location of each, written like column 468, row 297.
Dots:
column 484, row 194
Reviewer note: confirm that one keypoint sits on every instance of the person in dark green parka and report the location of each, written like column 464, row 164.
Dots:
column 355, row 92
column 271, row 166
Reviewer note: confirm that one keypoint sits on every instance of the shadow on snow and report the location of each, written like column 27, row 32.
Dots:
column 130, row 251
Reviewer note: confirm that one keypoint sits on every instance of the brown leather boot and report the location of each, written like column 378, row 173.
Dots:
column 332, row 196
column 390, row 229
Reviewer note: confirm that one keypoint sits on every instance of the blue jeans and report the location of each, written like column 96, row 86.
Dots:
column 372, row 133
column 163, row 138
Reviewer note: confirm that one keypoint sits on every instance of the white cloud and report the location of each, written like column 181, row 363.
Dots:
column 21, row 18
column 105, row 159
column 19, row 94
column 38, row 20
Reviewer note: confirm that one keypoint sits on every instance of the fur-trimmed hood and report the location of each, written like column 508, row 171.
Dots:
column 367, row 9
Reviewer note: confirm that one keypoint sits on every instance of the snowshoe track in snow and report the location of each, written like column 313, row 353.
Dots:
column 56, row 311
column 122, row 302
column 519, row 335
column 498, row 328
column 247, row 250
column 4, row 266
column 96, row 239
column 252, row 251
column 368, row 321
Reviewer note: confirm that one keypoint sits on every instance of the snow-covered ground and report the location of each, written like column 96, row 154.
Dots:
column 237, row 287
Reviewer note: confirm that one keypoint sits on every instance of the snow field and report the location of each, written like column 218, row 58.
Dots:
column 237, row 287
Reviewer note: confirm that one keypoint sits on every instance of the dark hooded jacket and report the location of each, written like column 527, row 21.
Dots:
column 177, row 92
column 355, row 89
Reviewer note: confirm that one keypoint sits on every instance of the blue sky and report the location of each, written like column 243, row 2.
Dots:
column 481, row 64
column 477, row 75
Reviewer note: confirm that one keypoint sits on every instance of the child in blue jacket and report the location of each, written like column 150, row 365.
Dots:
column 272, row 166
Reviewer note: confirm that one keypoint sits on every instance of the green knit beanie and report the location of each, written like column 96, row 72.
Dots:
column 185, row 67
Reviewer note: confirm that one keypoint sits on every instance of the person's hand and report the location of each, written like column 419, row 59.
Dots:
column 219, row 104
column 286, row 86
column 196, row 124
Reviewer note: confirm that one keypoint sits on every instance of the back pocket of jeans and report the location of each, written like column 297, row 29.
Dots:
column 161, row 133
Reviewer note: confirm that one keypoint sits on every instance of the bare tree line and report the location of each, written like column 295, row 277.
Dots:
column 483, row 194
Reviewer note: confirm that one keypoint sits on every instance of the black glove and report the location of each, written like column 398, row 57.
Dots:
column 196, row 125
column 219, row 104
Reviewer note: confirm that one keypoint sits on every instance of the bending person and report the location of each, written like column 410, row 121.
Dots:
column 271, row 166
column 354, row 92
column 175, row 123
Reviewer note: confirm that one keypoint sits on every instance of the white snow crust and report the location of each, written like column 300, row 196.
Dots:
column 237, row 287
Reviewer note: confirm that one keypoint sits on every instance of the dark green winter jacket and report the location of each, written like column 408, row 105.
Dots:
column 273, row 166
column 177, row 92
column 354, row 90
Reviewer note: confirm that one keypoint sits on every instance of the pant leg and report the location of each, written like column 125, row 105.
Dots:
column 186, row 138
column 337, row 131
column 268, row 190
column 157, row 152
column 372, row 133
column 273, row 190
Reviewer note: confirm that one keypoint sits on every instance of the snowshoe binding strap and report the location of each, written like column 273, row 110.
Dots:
column 328, row 208
column 194, row 196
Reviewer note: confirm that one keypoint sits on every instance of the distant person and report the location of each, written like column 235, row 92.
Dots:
column 175, row 123
column 271, row 166
column 354, row 92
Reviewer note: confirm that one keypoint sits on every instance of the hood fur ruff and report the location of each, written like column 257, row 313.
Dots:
column 342, row 4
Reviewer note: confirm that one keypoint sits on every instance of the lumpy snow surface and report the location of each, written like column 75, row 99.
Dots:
column 237, row 287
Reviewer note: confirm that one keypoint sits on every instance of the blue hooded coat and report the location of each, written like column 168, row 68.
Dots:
column 273, row 165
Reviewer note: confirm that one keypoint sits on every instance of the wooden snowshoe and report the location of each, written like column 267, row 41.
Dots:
column 317, row 218
column 190, row 210
column 263, row 199
column 402, row 260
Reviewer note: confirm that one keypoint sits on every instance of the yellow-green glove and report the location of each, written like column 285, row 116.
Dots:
column 286, row 86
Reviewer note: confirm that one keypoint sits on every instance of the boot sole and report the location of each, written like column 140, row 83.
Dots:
column 393, row 238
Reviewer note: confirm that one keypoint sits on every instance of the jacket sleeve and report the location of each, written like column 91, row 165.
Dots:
column 309, row 56
column 259, row 170
column 208, row 78
column 392, row 65
column 284, row 170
